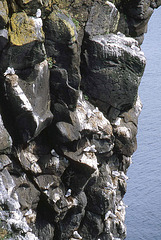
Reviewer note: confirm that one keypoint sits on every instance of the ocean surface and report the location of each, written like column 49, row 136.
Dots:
column 143, row 197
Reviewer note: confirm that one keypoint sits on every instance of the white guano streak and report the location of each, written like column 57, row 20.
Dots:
column 25, row 102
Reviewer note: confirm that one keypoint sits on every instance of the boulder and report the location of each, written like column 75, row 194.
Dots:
column 87, row 231
column 137, row 9
column 61, row 40
column 52, row 165
column 28, row 195
column 72, row 220
column 29, row 162
column 30, row 6
column 26, row 47
column 85, row 118
column 68, row 132
column 29, row 101
column 138, row 27
column 125, row 130
column 24, row 29
column 61, row 90
column 112, row 71
column 3, row 38
column 103, row 19
column 137, row 15
column 100, row 195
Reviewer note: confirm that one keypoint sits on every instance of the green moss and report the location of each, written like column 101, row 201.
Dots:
column 51, row 62
column 86, row 97
column 75, row 21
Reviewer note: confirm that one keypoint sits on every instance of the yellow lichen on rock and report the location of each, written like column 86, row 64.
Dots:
column 26, row 1
column 4, row 11
column 62, row 3
column 63, row 26
column 24, row 29
column 71, row 30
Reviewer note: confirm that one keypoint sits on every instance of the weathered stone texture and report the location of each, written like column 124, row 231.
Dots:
column 29, row 101
column 5, row 139
column 135, row 15
column 69, row 107
column 112, row 71
column 3, row 14
column 103, row 19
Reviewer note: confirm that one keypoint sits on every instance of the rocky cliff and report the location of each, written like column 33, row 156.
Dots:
column 69, row 106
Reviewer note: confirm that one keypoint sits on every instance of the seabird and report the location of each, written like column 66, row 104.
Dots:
column 38, row 13
column 90, row 149
column 9, row 71
column 109, row 214
column 115, row 174
column 54, row 154
column 76, row 235
column 68, row 193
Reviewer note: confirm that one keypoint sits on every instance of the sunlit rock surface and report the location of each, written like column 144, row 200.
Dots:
column 103, row 19
column 69, row 108
column 112, row 71
column 3, row 13
column 29, row 100
column 5, row 139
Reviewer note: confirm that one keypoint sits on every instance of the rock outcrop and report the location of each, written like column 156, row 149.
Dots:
column 69, row 106
column 112, row 71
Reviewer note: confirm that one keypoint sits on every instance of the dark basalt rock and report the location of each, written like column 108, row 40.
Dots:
column 72, row 220
column 29, row 6
column 11, row 215
column 61, row 39
column 92, row 226
column 112, row 71
column 3, row 38
column 61, row 91
column 28, row 195
column 26, row 100
column 136, row 14
column 26, row 48
column 125, row 130
column 63, row 173
column 103, row 19
column 32, row 54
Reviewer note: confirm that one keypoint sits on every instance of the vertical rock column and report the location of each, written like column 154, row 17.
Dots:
column 65, row 178
column 26, row 76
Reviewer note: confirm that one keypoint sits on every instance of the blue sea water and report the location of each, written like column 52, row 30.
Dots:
column 143, row 197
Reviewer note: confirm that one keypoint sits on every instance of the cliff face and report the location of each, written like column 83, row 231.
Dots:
column 69, row 106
